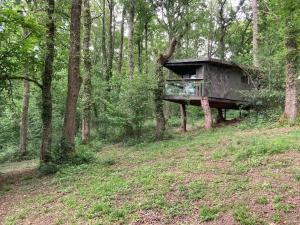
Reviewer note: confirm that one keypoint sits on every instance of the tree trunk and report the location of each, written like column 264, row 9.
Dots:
column 140, row 55
column 110, row 41
column 24, row 116
column 103, row 43
column 182, row 118
column 222, row 44
column 87, row 85
column 146, row 47
column 25, row 106
column 130, row 40
column 159, row 105
column 159, row 90
column 291, row 94
column 207, row 113
column 45, row 149
column 255, row 33
column 74, row 80
column 121, row 41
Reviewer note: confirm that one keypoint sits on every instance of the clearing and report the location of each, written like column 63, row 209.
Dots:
column 232, row 175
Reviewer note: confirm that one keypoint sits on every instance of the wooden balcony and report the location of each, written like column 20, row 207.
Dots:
column 189, row 92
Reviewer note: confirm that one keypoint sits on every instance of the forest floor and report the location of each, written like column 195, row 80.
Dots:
column 231, row 175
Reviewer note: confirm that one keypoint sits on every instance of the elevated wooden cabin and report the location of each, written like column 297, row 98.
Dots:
column 222, row 82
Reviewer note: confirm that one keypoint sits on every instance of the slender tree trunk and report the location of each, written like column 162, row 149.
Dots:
column 130, row 40
column 103, row 43
column 207, row 113
column 146, row 46
column 223, row 25
column 159, row 90
column 121, row 41
column 110, row 40
column 222, row 44
column 25, row 106
column 140, row 55
column 291, row 95
column 255, row 33
column 74, row 80
column 24, row 116
column 87, row 85
column 45, row 149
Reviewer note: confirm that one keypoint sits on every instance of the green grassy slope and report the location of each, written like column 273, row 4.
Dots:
column 226, row 176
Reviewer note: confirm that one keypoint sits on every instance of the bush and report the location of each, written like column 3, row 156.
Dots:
column 126, row 107
column 83, row 155
column 48, row 168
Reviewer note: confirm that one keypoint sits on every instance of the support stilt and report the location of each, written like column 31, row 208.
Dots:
column 207, row 113
column 220, row 116
column 182, row 118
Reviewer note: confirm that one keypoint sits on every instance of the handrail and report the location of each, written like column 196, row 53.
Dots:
column 188, row 79
column 184, row 87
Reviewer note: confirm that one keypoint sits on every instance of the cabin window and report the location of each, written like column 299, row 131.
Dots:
column 244, row 79
column 200, row 72
column 189, row 76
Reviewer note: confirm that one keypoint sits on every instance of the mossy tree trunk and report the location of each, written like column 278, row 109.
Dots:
column 110, row 54
column 24, row 116
column 120, row 64
column 159, row 90
column 45, row 149
column 87, row 84
column 74, row 81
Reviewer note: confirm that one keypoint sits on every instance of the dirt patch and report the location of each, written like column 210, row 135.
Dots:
column 149, row 217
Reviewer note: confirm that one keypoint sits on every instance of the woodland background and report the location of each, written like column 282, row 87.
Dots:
column 104, row 53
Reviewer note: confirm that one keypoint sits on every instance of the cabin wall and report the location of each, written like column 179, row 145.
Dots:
column 224, row 82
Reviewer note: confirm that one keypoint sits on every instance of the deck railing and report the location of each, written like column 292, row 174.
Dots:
column 185, row 87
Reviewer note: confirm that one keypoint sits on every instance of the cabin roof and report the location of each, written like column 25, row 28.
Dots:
column 187, row 66
column 184, row 66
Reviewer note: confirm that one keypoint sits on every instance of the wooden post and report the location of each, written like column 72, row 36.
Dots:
column 207, row 113
column 182, row 118
column 220, row 117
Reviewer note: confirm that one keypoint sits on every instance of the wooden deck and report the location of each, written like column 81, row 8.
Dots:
column 213, row 102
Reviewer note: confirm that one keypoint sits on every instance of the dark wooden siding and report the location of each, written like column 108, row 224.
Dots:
column 224, row 82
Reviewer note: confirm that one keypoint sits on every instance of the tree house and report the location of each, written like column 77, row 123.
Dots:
column 223, row 83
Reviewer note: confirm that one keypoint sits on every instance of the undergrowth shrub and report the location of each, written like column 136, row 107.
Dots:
column 127, row 107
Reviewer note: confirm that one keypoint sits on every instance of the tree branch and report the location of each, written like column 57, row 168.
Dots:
column 22, row 78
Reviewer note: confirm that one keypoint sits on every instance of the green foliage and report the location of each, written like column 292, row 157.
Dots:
column 128, row 106
column 48, row 168
column 83, row 154
column 17, row 48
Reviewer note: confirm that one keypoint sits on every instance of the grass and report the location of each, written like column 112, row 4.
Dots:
column 208, row 213
column 23, row 165
column 198, row 176
column 263, row 200
column 243, row 215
